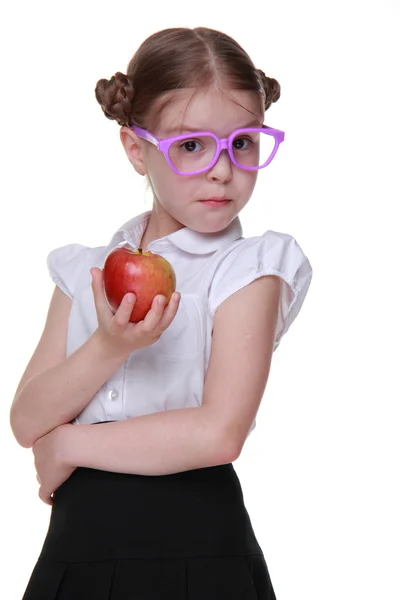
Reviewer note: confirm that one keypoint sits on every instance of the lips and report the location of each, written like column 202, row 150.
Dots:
column 215, row 199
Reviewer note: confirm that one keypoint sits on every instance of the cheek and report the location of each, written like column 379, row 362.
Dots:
column 158, row 170
column 165, row 183
column 247, row 182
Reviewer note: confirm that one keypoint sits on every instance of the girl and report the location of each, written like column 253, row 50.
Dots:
column 149, row 506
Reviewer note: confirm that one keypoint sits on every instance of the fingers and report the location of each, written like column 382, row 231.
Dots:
column 154, row 315
column 121, row 317
column 45, row 497
column 170, row 311
column 122, row 314
column 160, row 316
column 100, row 300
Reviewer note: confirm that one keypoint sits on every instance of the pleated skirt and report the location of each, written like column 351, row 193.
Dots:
column 184, row 536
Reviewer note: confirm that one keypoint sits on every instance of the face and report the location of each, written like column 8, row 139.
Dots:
column 178, row 199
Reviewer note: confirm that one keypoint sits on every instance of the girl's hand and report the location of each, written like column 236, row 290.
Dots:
column 51, row 464
column 118, row 332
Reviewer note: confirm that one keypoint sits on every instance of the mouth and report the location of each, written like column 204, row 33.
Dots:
column 216, row 199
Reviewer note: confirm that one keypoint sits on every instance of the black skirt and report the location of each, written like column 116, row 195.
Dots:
column 117, row 536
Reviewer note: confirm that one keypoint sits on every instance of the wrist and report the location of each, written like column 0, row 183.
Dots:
column 75, row 444
column 67, row 445
column 106, row 351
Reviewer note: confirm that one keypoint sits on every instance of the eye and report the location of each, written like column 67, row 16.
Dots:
column 190, row 146
column 241, row 143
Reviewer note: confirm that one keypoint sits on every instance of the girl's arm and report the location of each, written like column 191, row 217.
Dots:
column 157, row 444
column 179, row 440
column 55, row 389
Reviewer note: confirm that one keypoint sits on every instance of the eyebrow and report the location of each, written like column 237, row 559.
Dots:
column 186, row 128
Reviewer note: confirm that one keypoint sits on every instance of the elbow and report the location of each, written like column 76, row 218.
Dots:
column 234, row 452
column 19, row 431
column 228, row 450
column 222, row 446
column 233, row 441
column 21, row 438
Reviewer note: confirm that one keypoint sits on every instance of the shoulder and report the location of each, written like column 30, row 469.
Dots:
column 272, row 253
column 273, row 245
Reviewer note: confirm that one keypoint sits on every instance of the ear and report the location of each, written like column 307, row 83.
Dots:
column 134, row 149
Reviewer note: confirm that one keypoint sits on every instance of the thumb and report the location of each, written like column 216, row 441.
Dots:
column 97, row 280
column 98, row 291
column 95, row 273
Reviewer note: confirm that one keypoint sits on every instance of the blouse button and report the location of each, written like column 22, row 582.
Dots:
column 112, row 394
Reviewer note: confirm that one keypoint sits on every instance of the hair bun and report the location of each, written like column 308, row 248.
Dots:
column 115, row 97
column 272, row 89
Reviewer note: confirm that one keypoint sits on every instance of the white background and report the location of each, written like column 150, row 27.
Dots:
column 320, row 472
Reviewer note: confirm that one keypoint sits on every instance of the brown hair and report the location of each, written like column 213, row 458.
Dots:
column 178, row 58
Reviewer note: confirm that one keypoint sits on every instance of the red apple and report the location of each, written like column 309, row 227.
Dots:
column 144, row 273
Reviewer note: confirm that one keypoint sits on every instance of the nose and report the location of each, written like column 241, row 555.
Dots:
column 222, row 170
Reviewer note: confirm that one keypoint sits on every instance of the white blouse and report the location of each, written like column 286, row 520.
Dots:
column 209, row 267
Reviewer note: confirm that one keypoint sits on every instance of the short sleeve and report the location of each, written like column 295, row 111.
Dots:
column 65, row 265
column 273, row 253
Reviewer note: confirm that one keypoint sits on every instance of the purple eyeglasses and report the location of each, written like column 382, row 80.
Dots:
column 250, row 148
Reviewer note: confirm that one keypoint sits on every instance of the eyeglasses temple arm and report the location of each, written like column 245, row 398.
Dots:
column 145, row 135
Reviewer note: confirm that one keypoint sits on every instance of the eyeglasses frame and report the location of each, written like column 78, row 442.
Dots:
column 163, row 145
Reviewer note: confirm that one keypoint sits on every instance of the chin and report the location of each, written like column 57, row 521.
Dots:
column 216, row 224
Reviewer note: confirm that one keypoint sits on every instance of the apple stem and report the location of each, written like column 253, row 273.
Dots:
column 140, row 250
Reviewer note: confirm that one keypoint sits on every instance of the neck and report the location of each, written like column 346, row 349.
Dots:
column 159, row 225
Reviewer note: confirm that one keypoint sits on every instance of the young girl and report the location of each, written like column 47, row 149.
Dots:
column 149, row 506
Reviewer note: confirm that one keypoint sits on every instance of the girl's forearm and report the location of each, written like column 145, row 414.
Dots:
column 161, row 443
column 59, row 394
